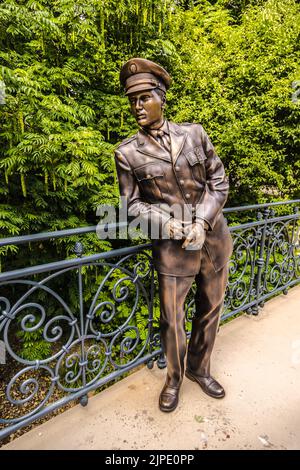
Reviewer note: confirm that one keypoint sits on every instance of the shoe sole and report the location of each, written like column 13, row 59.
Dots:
column 193, row 379
column 167, row 410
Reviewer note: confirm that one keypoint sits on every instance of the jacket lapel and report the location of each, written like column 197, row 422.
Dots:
column 178, row 138
column 149, row 146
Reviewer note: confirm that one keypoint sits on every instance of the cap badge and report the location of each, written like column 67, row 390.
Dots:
column 133, row 68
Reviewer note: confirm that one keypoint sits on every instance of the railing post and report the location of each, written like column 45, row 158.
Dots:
column 260, row 261
column 161, row 361
column 295, row 242
column 150, row 363
column 78, row 250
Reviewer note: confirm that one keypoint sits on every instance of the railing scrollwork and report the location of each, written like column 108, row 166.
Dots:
column 116, row 329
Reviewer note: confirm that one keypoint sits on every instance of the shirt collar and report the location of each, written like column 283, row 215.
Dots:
column 164, row 127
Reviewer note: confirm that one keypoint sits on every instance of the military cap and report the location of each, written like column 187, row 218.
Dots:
column 141, row 74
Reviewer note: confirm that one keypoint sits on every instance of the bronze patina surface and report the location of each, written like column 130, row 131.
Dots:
column 167, row 165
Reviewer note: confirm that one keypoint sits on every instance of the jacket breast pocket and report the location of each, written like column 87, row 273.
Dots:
column 151, row 178
column 196, row 158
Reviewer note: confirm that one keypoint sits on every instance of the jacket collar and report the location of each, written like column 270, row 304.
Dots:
column 149, row 146
column 164, row 127
column 178, row 138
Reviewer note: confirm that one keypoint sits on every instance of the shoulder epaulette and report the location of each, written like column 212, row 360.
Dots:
column 188, row 123
column 126, row 141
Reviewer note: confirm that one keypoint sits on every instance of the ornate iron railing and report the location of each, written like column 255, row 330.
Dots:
column 90, row 341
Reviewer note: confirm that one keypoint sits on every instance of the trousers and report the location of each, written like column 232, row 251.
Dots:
column 209, row 297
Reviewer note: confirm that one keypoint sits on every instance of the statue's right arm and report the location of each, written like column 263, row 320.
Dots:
column 130, row 190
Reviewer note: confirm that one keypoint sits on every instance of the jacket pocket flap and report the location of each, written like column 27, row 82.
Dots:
column 148, row 172
column 196, row 155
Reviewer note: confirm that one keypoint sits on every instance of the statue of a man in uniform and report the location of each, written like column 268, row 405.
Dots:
column 167, row 165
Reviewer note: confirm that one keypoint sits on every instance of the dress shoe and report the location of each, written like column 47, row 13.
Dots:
column 208, row 384
column 168, row 399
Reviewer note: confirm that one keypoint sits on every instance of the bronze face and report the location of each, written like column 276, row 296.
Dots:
column 147, row 108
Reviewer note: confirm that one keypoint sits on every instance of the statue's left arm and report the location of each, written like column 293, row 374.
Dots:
column 216, row 190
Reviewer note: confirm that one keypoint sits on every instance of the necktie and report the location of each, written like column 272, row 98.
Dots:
column 162, row 138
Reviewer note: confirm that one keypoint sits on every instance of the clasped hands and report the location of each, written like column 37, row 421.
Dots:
column 193, row 234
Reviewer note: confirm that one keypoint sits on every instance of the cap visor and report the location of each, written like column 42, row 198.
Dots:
column 140, row 87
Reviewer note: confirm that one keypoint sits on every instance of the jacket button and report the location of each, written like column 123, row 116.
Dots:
column 177, row 168
column 188, row 196
column 181, row 181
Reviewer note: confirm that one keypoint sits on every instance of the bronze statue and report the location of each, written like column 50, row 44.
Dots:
column 163, row 165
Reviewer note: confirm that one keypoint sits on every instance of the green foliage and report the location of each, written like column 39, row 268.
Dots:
column 33, row 346
column 236, row 79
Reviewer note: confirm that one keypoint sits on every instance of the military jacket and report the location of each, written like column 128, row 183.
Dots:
column 190, row 174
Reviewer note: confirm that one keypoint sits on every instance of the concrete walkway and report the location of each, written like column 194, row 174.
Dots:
column 257, row 359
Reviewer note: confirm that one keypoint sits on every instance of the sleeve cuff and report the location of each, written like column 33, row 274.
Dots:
column 207, row 226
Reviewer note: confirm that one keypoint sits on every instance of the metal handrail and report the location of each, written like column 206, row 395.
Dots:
column 19, row 240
